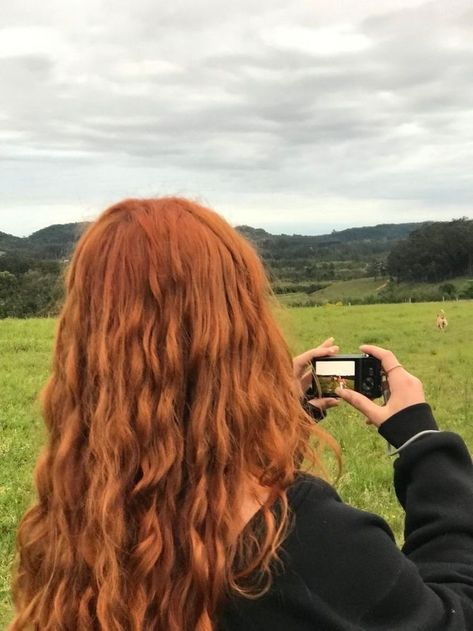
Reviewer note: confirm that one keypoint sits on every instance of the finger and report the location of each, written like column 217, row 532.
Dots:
column 361, row 403
column 325, row 403
column 388, row 361
column 320, row 351
column 388, row 358
column 328, row 342
column 306, row 380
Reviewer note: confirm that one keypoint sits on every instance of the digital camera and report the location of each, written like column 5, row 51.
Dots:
column 362, row 373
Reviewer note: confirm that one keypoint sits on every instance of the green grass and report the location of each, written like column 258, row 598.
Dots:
column 297, row 297
column 355, row 288
column 25, row 351
column 358, row 289
column 444, row 361
column 339, row 290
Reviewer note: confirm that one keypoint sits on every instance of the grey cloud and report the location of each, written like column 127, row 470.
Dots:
column 392, row 120
column 24, row 69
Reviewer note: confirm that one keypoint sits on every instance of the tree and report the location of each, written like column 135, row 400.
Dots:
column 448, row 289
column 8, row 293
column 15, row 263
column 434, row 252
column 376, row 269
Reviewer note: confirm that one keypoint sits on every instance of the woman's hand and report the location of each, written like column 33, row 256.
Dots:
column 304, row 375
column 405, row 389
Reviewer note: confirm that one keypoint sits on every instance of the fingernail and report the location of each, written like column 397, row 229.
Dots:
column 338, row 391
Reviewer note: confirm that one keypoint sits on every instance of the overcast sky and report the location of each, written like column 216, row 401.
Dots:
column 291, row 115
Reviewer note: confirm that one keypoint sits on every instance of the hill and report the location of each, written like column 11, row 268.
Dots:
column 339, row 255
column 8, row 242
column 370, row 290
column 339, row 245
column 57, row 241
column 384, row 263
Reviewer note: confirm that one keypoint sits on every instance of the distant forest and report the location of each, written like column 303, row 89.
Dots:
column 32, row 268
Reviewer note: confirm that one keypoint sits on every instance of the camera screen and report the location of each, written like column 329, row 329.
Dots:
column 334, row 374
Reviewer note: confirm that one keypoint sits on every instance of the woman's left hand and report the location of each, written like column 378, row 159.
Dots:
column 304, row 375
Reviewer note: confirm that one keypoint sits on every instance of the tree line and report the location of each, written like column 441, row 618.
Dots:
column 30, row 287
column 32, row 269
column 433, row 253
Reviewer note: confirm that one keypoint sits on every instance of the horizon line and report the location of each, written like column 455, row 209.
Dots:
column 299, row 234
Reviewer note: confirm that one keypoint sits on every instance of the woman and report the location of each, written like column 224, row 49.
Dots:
column 170, row 493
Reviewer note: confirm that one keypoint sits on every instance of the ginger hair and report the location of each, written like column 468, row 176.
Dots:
column 171, row 385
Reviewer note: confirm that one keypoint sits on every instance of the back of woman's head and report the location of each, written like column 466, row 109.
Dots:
column 171, row 388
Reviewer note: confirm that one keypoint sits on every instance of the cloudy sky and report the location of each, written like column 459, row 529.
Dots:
column 291, row 115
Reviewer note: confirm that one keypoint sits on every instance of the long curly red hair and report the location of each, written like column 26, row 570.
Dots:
column 171, row 386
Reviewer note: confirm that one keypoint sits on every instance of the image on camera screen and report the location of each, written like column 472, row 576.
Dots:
column 334, row 374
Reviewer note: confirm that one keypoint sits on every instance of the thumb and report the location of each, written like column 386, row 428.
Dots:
column 360, row 403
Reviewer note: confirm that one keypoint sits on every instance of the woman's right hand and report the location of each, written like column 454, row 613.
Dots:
column 405, row 389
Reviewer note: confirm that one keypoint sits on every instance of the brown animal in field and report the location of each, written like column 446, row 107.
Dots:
column 442, row 321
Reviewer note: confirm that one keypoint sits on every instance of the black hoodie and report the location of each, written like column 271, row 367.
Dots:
column 342, row 570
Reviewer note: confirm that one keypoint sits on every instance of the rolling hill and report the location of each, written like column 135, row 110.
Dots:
column 57, row 241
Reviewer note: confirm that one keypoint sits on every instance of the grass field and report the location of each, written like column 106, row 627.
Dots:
column 358, row 289
column 339, row 290
column 354, row 288
column 444, row 361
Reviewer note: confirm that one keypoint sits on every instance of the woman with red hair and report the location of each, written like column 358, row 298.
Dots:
column 171, row 494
